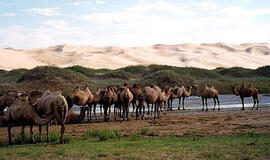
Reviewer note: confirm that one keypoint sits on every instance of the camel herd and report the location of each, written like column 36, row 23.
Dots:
column 40, row 109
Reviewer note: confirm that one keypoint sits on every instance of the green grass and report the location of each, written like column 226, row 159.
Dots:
column 242, row 146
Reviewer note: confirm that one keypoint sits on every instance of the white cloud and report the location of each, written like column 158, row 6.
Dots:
column 44, row 11
column 51, row 32
column 205, row 5
column 100, row 1
column 81, row 3
column 8, row 14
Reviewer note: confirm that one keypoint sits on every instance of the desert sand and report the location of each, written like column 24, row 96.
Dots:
column 209, row 56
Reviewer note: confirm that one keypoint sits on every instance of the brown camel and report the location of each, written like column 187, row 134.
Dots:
column 126, row 98
column 97, row 100
column 8, row 98
column 136, row 91
column 81, row 98
column 24, row 114
column 207, row 92
column 249, row 91
column 73, row 118
column 107, row 100
column 53, row 104
column 149, row 96
column 180, row 92
column 3, row 120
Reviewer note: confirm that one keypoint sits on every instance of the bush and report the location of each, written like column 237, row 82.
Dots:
column 135, row 136
column 103, row 134
column 119, row 74
column 144, row 131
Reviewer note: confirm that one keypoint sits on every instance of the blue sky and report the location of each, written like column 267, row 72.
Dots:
column 43, row 23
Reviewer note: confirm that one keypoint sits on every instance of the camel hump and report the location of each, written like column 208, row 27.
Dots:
column 250, row 86
column 205, row 86
column 243, row 85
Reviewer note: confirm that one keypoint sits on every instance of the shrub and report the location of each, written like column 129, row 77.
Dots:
column 119, row 74
column 144, row 131
column 135, row 136
column 103, row 134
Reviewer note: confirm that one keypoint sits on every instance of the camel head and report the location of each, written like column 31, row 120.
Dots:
column 235, row 92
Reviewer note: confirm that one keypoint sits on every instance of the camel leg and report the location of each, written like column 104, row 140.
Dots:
column 40, row 136
column 114, row 112
column 179, row 103
column 62, row 133
column 215, row 102
column 133, row 105
column 203, row 104
column 94, row 110
column 183, row 103
column 242, row 98
column 154, row 110
column 254, row 99
column 127, row 110
column 31, row 134
column 90, row 110
column 257, row 103
column 9, row 134
column 206, row 104
column 148, row 112
column 137, row 114
column 100, row 109
column 48, row 129
column 22, row 134
column 143, row 110
column 218, row 104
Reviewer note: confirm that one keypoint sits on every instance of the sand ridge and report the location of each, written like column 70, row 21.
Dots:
column 209, row 56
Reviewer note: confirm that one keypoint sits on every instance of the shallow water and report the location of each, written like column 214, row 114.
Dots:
column 194, row 102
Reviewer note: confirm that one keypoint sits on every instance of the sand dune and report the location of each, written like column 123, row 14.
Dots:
column 209, row 56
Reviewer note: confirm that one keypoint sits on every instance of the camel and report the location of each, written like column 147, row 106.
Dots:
column 81, row 98
column 107, row 100
column 73, row 118
column 126, row 98
column 53, row 104
column 3, row 120
column 24, row 114
column 8, row 98
column 136, row 91
column 149, row 96
column 249, row 91
column 97, row 100
column 181, row 92
column 207, row 92
column 163, row 96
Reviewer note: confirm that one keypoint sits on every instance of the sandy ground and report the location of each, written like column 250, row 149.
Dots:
column 181, row 123
column 209, row 56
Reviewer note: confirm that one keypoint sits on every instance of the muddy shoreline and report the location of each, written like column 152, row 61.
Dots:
column 228, row 121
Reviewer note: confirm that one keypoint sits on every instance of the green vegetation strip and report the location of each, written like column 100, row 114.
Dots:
column 137, row 146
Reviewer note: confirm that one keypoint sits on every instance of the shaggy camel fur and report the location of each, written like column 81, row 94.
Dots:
column 126, row 98
column 81, row 98
column 205, row 93
column 53, row 104
column 180, row 92
column 136, row 91
column 73, row 118
column 24, row 114
column 249, row 91
column 8, row 98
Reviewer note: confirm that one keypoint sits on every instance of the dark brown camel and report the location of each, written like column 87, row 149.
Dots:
column 207, row 92
column 8, row 98
column 136, row 91
column 249, row 91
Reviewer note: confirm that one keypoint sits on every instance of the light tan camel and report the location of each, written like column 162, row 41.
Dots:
column 8, row 98
column 163, row 96
column 181, row 93
column 24, row 114
column 53, row 104
column 81, row 98
column 126, row 98
column 207, row 92
column 249, row 91
column 74, row 118
column 136, row 91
